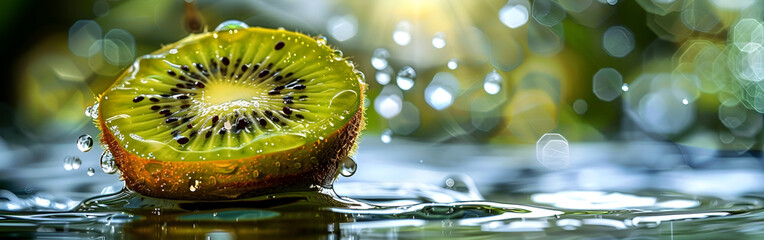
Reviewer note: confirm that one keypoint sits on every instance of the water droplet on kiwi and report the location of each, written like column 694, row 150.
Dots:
column 321, row 40
column 348, row 167
column 338, row 55
column 194, row 185
column 230, row 25
column 386, row 136
column 379, row 58
column 85, row 143
column 91, row 172
column 88, row 110
column 92, row 111
column 405, row 78
column 107, row 162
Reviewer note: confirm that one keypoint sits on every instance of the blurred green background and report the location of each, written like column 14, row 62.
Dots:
column 500, row 72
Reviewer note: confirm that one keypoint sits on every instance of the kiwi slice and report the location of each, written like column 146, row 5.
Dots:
column 233, row 113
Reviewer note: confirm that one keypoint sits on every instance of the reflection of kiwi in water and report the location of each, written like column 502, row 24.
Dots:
column 232, row 114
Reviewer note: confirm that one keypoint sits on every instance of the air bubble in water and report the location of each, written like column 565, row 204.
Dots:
column 230, row 25
column 91, row 171
column 379, row 58
column 405, row 78
column 348, row 167
column 552, row 151
column 85, row 143
column 492, row 82
column 452, row 64
column 107, row 162
column 386, row 136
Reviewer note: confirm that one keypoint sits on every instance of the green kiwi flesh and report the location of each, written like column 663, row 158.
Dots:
column 231, row 94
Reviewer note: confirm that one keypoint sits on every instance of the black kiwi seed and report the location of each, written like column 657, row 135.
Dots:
column 262, row 122
column 242, row 123
column 170, row 120
column 215, row 119
column 185, row 68
column 274, row 92
column 171, row 72
column 193, row 133
column 289, row 75
column 182, row 97
column 222, row 131
column 181, row 77
column 165, row 112
column 199, row 66
column 275, row 119
column 190, row 126
column 278, row 78
column 278, row 88
column 225, row 61
column 254, row 113
column 268, row 113
column 208, row 134
column 180, row 85
column 287, row 110
column 282, row 123
column 174, row 89
column 154, row 99
column 164, row 95
column 288, row 97
column 270, row 65
column 264, row 73
column 299, row 116
column 288, row 101
column 279, row 45
column 185, row 106
column 138, row 99
column 244, row 68
column 299, row 87
column 155, row 107
column 199, row 85
column 174, row 133
column 183, row 140
column 303, row 97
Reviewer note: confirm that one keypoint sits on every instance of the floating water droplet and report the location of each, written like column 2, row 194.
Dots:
column 92, row 111
column 321, row 41
column 348, row 167
column 230, row 25
column 405, row 78
column 389, row 102
column 514, row 15
column 580, row 106
column 439, row 40
column 618, row 41
column 452, row 64
column 492, row 82
column 107, row 162
column 194, row 185
column 386, row 136
column 440, row 93
column 88, row 110
column 379, row 58
column 625, row 87
column 402, row 33
column 85, row 143
column 685, row 101
column 91, row 171
column 606, row 83
column 383, row 77
column 342, row 27
column 552, row 151
column 72, row 163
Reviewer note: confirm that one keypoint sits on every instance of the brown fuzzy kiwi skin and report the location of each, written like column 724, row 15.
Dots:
column 304, row 168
